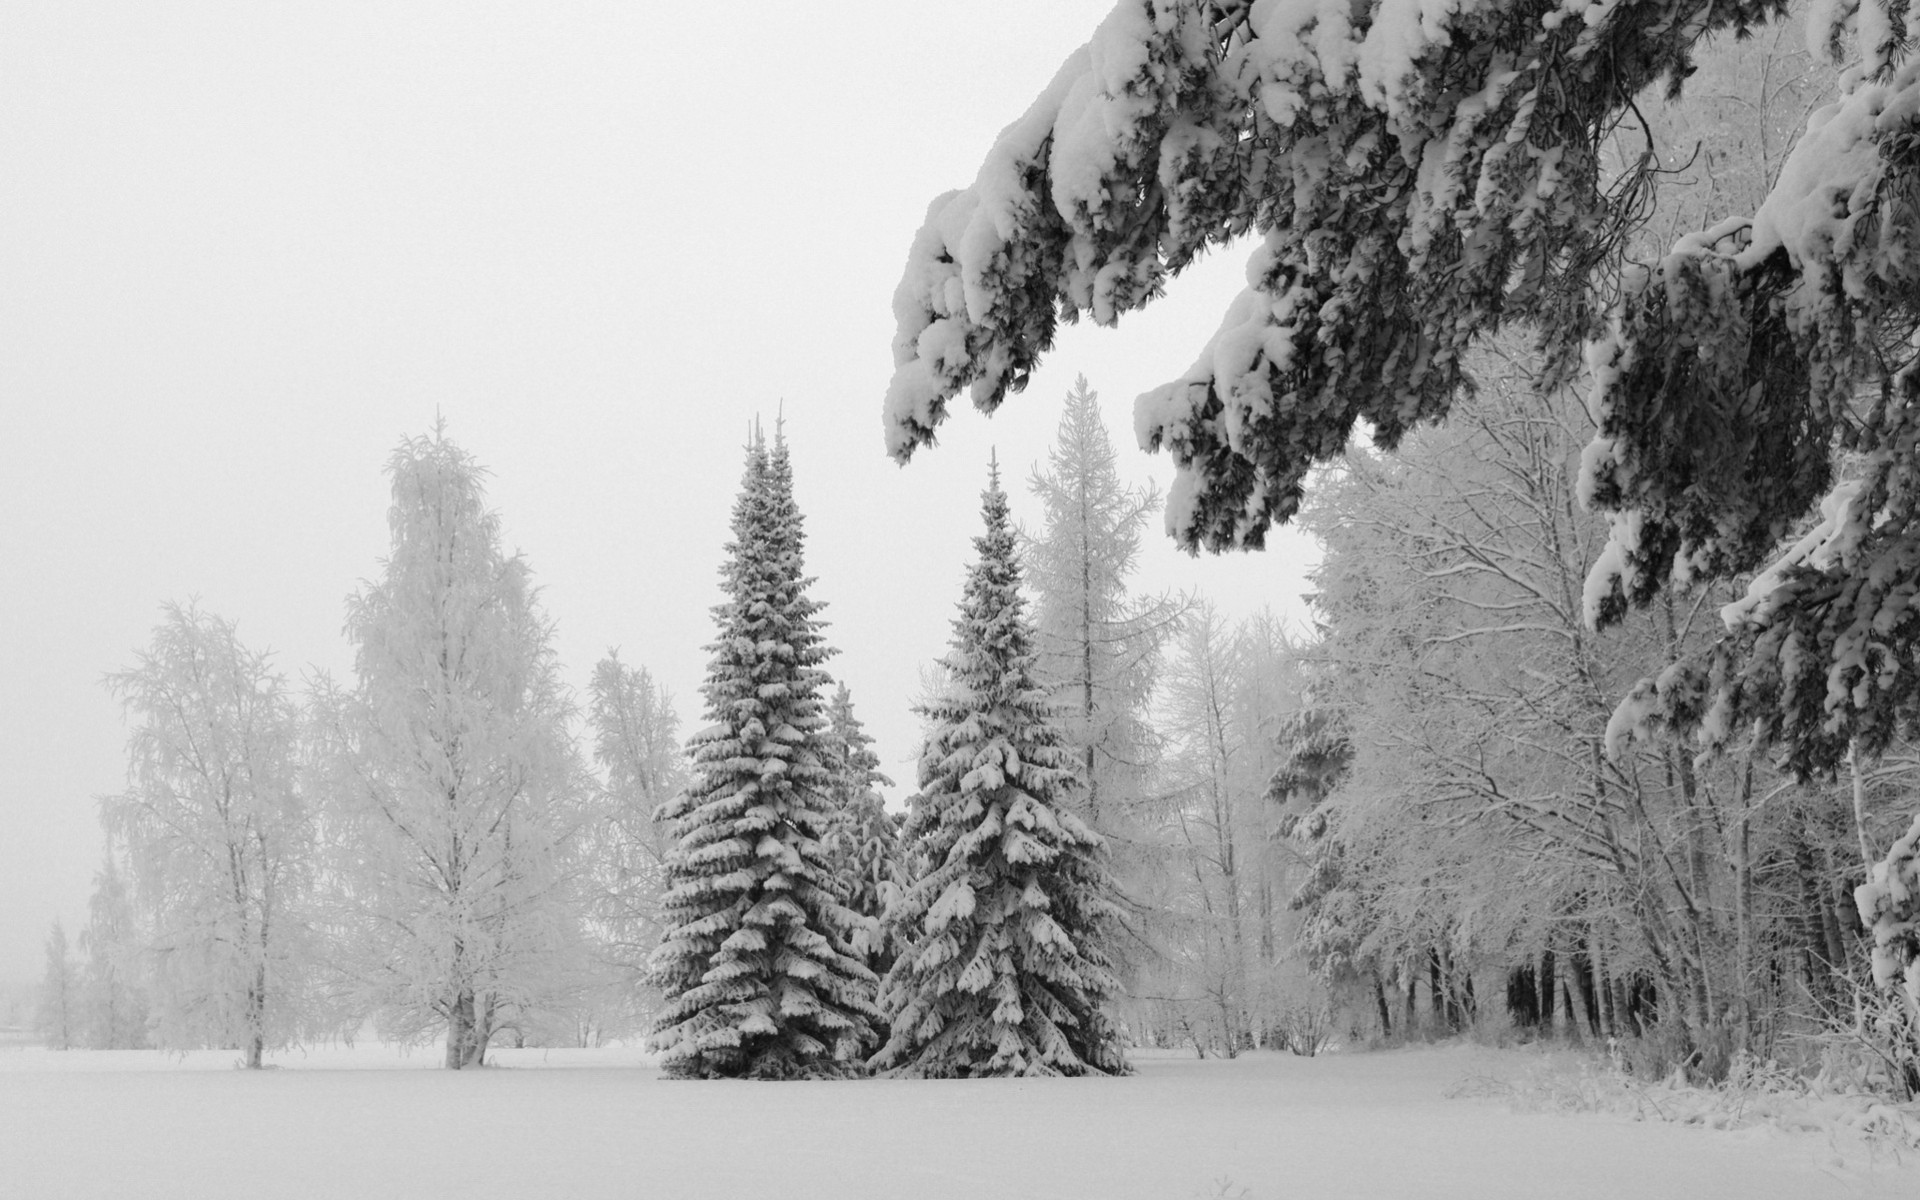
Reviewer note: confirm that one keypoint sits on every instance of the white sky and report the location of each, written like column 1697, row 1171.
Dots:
column 245, row 248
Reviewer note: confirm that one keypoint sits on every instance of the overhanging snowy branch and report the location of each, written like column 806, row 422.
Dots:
column 1420, row 170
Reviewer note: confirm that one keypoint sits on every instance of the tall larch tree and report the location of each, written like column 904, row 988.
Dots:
column 462, row 802
column 760, row 975
column 1002, row 968
column 1098, row 645
column 219, row 839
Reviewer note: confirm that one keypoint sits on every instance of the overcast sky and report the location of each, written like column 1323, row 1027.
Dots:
column 246, row 248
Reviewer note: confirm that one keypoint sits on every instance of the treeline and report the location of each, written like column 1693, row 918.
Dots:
column 425, row 847
column 447, row 845
column 1424, row 819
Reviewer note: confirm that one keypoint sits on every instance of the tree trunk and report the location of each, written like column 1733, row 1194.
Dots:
column 1859, row 806
column 1570, row 997
column 459, row 1029
column 1086, row 650
column 1546, row 979
column 484, row 1018
column 1267, row 942
column 257, row 1017
column 1523, row 997
column 1743, row 969
column 1609, row 1020
column 1819, row 932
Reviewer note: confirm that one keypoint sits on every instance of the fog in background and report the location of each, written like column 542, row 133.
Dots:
column 245, row 249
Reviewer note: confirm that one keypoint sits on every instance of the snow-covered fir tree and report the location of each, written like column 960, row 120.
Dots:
column 460, row 800
column 1001, row 969
column 865, row 844
column 758, row 967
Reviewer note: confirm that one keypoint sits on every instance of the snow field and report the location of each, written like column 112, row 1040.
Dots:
column 588, row 1124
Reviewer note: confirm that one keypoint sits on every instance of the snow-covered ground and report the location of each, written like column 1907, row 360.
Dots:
column 583, row 1124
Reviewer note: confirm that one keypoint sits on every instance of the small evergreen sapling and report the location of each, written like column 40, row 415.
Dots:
column 1001, row 970
column 760, row 977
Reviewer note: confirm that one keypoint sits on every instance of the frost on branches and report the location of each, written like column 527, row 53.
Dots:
column 1889, row 904
column 460, row 798
column 1001, row 970
column 1733, row 368
column 760, row 976
column 1421, row 171
column 635, row 733
column 1418, row 171
column 218, row 837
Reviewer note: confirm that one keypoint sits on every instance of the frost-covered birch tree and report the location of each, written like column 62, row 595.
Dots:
column 760, row 974
column 460, row 801
column 218, row 837
column 1003, row 968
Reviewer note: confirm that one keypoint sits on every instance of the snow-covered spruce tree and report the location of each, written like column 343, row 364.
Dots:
column 864, row 846
column 460, row 797
column 219, row 839
column 1002, row 968
column 760, row 975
